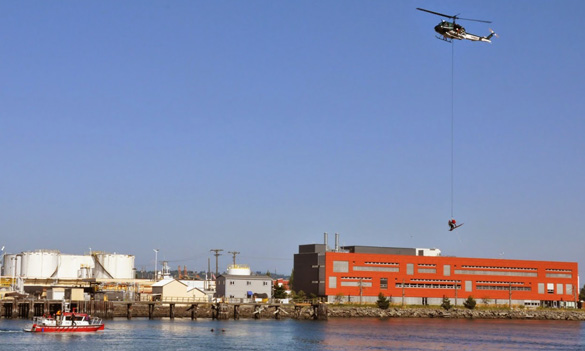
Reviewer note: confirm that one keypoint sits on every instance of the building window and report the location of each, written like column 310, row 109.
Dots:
column 427, row 270
column 248, row 283
column 409, row 268
column 447, row 270
column 502, row 273
column 541, row 288
column 340, row 266
column 468, row 285
column 569, row 290
column 232, row 282
column 550, row 288
column 333, row 282
column 383, row 283
column 265, row 283
column 362, row 283
column 375, row 269
column 559, row 275
column 560, row 289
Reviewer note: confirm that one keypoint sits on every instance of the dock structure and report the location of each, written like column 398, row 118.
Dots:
column 28, row 308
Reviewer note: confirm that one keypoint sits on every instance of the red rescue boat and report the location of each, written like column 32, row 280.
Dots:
column 68, row 322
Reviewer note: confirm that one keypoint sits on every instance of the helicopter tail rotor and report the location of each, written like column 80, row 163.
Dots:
column 492, row 34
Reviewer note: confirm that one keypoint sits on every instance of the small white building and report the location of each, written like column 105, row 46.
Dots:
column 169, row 289
column 240, row 283
column 197, row 294
column 173, row 290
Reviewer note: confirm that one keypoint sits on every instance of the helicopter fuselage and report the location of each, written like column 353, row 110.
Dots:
column 450, row 30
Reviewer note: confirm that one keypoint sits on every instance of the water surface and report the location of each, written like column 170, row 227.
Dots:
column 283, row 335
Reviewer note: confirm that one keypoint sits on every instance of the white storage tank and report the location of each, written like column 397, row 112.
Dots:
column 239, row 269
column 12, row 265
column 39, row 264
column 70, row 265
column 113, row 266
column 84, row 272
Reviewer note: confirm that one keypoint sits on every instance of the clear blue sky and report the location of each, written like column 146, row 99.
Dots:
column 255, row 126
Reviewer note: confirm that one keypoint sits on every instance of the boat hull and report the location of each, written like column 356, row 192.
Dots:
column 65, row 329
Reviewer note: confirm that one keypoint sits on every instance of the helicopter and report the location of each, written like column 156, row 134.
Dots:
column 452, row 30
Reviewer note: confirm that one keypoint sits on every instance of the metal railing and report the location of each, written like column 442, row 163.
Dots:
column 173, row 299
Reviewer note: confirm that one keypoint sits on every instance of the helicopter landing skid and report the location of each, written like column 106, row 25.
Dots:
column 444, row 39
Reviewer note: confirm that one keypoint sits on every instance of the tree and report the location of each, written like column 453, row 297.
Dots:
column 299, row 296
column 446, row 304
column 268, row 273
column 339, row 298
column 582, row 294
column 382, row 302
column 486, row 300
column 279, row 292
column 470, row 303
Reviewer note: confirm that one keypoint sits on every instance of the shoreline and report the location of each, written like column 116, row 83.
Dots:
column 456, row 313
column 341, row 311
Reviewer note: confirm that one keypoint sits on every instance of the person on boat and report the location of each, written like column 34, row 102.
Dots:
column 452, row 223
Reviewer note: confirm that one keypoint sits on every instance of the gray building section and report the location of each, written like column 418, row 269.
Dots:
column 309, row 269
column 240, row 286
column 380, row 250
column 312, row 248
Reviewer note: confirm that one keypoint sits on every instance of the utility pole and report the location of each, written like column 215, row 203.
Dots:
column 361, row 289
column 217, row 254
column 402, row 292
column 234, row 253
column 208, row 274
column 456, row 293
column 510, row 297
column 155, row 263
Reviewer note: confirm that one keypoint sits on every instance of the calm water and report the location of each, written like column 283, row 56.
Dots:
column 335, row 334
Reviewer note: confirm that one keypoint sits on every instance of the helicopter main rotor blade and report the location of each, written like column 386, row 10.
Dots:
column 436, row 13
column 455, row 17
column 475, row 20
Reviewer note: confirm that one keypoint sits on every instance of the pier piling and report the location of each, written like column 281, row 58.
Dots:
column 193, row 309
column 150, row 310
column 236, row 312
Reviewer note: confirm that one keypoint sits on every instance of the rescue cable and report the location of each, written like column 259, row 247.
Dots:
column 452, row 119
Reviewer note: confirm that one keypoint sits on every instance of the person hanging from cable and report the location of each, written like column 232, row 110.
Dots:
column 452, row 224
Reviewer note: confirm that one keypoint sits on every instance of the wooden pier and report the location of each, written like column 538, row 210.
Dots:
column 28, row 308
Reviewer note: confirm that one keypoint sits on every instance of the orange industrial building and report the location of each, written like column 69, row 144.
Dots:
column 424, row 277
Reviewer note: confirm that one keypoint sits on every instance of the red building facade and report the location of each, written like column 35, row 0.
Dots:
column 361, row 273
